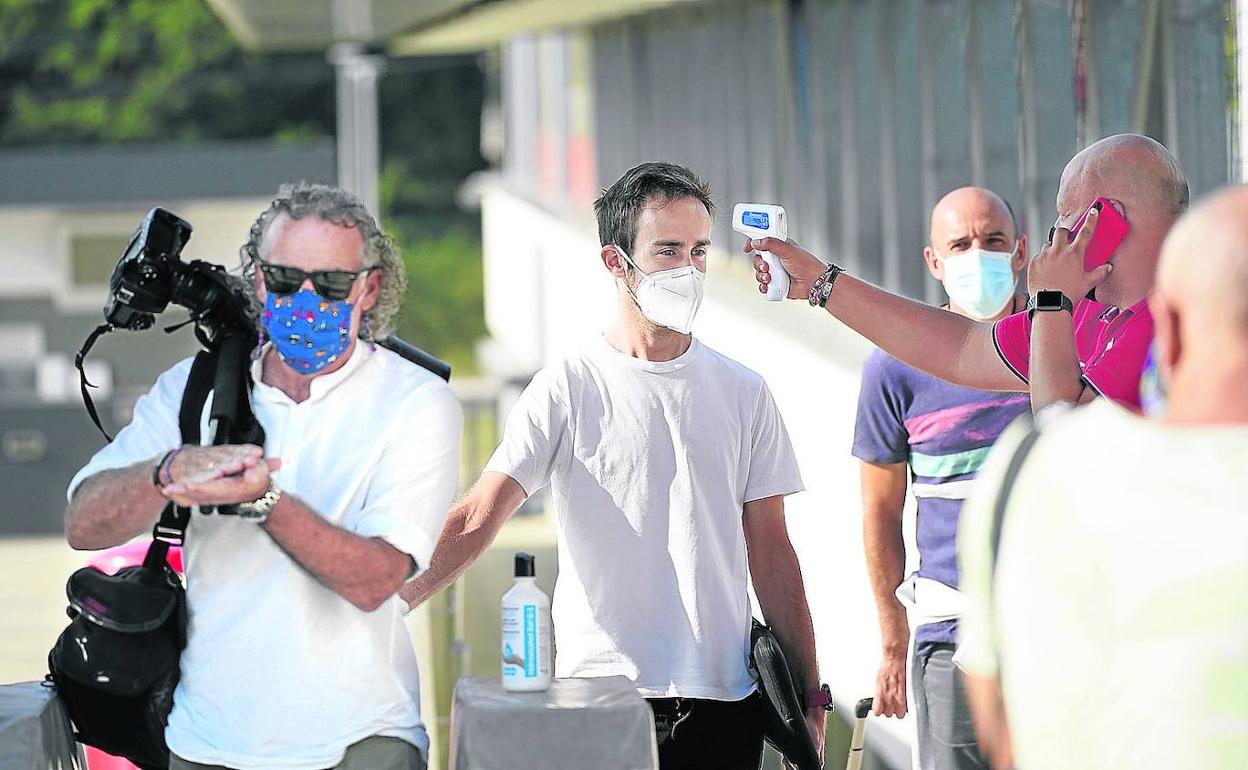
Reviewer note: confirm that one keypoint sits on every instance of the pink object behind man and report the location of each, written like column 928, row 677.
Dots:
column 110, row 560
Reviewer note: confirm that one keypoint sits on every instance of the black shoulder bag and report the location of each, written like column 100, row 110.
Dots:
column 115, row 666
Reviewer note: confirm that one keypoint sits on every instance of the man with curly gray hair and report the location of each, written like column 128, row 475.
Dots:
column 335, row 205
column 297, row 656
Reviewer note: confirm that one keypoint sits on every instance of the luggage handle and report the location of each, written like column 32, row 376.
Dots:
column 861, row 711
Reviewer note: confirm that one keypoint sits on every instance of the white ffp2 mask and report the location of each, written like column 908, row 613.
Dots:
column 669, row 298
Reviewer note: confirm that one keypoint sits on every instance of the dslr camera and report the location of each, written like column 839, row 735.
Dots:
column 151, row 274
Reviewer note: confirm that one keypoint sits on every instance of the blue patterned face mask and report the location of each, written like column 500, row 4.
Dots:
column 308, row 331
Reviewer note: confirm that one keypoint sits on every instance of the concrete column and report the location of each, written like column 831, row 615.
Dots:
column 359, row 153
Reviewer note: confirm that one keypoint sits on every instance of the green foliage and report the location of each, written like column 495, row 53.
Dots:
column 110, row 71
column 430, row 132
column 429, row 144
column 443, row 311
column 147, row 70
column 74, row 71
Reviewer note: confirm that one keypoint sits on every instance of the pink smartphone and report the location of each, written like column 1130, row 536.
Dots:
column 1111, row 228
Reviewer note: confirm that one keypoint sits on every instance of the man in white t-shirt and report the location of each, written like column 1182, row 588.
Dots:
column 1117, row 615
column 669, row 465
column 297, row 656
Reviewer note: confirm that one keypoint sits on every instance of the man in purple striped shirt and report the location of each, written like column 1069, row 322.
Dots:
column 917, row 429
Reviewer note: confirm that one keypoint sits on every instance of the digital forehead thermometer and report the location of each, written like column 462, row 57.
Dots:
column 765, row 220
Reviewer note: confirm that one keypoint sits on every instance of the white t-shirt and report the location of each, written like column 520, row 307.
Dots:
column 650, row 464
column 1121, row 594
column 280, row 671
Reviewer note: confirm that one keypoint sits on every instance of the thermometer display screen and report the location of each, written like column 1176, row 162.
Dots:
column 758, row 219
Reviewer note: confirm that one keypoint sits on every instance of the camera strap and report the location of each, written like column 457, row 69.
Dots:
column 171, row 528
column 198, row 386
column 83, row 382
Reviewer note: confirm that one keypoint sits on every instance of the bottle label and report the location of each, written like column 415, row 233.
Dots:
column 514, row 649
column 526, row 642
column 530, row 640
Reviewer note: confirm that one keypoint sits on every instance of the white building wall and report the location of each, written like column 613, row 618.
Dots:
column 544, row 282
column 35, row 246
column 547, row 291
column 36, row 262
column 29, row 258
column 221, row 226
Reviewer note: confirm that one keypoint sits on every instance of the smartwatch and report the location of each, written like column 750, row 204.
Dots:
column 1049, row 301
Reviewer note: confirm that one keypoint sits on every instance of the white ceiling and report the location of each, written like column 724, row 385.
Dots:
column 411, row 27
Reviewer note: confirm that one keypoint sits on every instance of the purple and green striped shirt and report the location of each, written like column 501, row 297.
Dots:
column 943, row 432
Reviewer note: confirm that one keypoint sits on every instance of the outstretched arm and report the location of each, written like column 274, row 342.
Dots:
column 945, row 345
column 470, row 527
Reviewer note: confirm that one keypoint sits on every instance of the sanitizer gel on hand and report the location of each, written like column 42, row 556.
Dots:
column 527, row 644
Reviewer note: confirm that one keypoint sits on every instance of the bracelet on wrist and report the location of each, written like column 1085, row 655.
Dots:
column 161, row 473
column 821, row 289
column 818, row 699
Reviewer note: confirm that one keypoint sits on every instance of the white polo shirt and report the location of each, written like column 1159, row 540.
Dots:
column 280, row 671
column 650, row 463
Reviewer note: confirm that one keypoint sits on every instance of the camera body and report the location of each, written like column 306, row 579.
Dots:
column 151, row 274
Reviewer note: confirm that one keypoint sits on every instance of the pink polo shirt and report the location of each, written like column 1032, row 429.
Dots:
column 1111, row 343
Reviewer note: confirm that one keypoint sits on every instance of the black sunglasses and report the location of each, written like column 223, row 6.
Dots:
column 333, row 285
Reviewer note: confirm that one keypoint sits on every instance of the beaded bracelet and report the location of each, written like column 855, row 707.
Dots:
column 161, row 476
column 822, row 287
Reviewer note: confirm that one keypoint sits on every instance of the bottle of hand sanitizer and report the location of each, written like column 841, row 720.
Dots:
column 526, row 631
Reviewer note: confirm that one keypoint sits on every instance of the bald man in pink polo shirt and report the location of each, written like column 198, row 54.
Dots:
column 1074, row 353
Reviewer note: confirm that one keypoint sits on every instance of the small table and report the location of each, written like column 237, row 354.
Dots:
column 34, row 732
column 600, row 723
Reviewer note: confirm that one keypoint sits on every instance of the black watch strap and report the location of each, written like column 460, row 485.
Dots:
column 1047, row 301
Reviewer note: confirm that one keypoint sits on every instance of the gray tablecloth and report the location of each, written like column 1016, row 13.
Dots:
column 578, row 724
column 34, row 731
